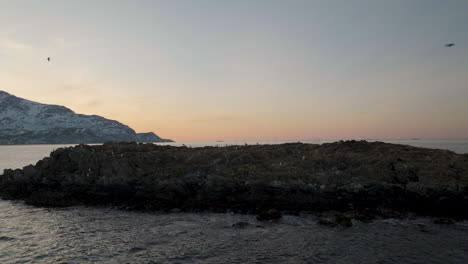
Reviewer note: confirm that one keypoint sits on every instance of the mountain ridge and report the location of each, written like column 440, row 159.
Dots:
column 24, row 121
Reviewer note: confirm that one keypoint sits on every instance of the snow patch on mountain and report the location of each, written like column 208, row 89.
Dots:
column 26, row 122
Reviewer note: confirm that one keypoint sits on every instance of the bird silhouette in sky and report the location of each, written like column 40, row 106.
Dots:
column 448, row 45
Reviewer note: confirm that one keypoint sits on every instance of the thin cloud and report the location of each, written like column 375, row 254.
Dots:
column 93, row 103
column 14, row 47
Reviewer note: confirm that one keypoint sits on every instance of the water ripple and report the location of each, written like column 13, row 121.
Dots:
column 90, row 235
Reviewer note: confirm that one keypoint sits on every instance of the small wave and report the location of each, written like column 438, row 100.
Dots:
column 136, row 249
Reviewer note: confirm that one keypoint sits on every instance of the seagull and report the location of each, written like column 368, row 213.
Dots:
column 48, row 58
column 448, row 45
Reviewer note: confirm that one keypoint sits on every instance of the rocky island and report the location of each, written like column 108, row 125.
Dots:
column 351, row 176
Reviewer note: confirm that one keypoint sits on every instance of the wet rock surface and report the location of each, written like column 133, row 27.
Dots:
column 366, row 178
column 241, row 224
column 443, row 221
column 343, row 220
column 326, row 222
column 338, row 220
column 267, row 215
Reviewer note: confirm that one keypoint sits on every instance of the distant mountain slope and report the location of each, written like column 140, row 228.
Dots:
column 27, row 122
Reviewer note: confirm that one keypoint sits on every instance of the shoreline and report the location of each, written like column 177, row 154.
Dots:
column 367, row 179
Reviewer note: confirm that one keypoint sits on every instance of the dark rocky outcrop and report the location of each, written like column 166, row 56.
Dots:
column 267, row 215
column 367, row 178
column 326, row 222
column 343, row 220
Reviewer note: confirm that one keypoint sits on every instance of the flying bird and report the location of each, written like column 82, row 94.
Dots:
column 448, row 45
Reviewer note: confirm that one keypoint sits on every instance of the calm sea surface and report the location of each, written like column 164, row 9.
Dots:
column 105, row 235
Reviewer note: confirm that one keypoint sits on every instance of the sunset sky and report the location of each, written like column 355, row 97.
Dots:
column 246, row 69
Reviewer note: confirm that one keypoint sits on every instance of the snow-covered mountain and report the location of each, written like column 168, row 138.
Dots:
column 26, row 122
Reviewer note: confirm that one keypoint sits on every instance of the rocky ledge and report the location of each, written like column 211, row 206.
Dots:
column 352, row 176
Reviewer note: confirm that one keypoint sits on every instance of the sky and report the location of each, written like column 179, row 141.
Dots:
column 247, row 69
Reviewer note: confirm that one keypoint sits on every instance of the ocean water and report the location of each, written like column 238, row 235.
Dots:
column 106, row 235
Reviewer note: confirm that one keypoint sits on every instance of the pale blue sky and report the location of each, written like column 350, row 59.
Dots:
column 209, row 70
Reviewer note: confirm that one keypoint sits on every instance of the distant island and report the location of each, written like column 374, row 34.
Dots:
column 27, row 122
